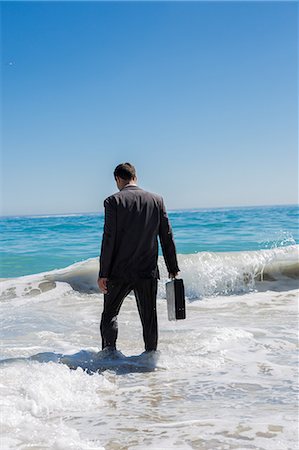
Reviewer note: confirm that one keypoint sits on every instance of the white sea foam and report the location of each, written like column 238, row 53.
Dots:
column 36, row 396
column 205, row 274
column 225, row 378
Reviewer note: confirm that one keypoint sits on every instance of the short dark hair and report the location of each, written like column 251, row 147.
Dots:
column 125, row 171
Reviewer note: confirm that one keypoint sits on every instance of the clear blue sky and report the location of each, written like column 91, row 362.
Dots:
column 201, row 97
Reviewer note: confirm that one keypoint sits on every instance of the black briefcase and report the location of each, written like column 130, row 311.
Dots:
column 175, row 296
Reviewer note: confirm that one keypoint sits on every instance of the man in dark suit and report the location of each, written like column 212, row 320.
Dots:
column 134, row 219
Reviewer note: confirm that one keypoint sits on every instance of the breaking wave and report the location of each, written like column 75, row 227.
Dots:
column 205, row 274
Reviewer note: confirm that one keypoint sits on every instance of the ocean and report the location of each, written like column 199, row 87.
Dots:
column 224, row 378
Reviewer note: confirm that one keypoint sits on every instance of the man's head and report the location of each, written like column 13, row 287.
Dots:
column 124, row 174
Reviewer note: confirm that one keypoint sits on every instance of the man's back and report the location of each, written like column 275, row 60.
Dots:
column 133, row 220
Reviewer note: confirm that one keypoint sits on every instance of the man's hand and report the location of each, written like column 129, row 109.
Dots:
column 102, row 283
column 173, row 275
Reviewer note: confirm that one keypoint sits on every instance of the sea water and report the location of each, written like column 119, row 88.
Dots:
column 224, row 378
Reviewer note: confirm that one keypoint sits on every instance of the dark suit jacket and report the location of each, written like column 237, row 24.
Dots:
column 134, row 219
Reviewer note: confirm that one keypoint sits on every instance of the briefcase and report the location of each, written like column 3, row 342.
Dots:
column 175, row 296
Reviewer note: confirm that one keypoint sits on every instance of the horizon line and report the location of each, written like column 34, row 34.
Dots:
column 168, row 209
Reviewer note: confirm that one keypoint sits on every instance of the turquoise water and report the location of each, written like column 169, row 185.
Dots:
column 32, row 244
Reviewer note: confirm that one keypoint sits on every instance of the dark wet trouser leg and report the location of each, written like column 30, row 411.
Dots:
column 117, row 291
column 146, row 297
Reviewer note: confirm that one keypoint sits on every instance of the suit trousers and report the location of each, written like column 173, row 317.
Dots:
column 145, row 291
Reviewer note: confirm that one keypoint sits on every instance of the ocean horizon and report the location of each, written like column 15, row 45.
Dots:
column 199, row 208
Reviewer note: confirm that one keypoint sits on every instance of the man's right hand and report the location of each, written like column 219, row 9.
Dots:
column 102, row 283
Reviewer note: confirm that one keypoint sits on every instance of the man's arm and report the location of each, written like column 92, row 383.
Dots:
column 108, row 240
column 167, row 243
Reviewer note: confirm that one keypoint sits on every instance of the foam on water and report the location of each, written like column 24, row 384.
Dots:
column 225, row 378
column 36, row 397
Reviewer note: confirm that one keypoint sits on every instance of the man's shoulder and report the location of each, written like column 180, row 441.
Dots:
column 152, row 198
column 110, row 200
column 151, row 194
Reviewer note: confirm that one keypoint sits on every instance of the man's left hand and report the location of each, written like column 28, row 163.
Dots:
column 102, row 283
column 173, row 275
